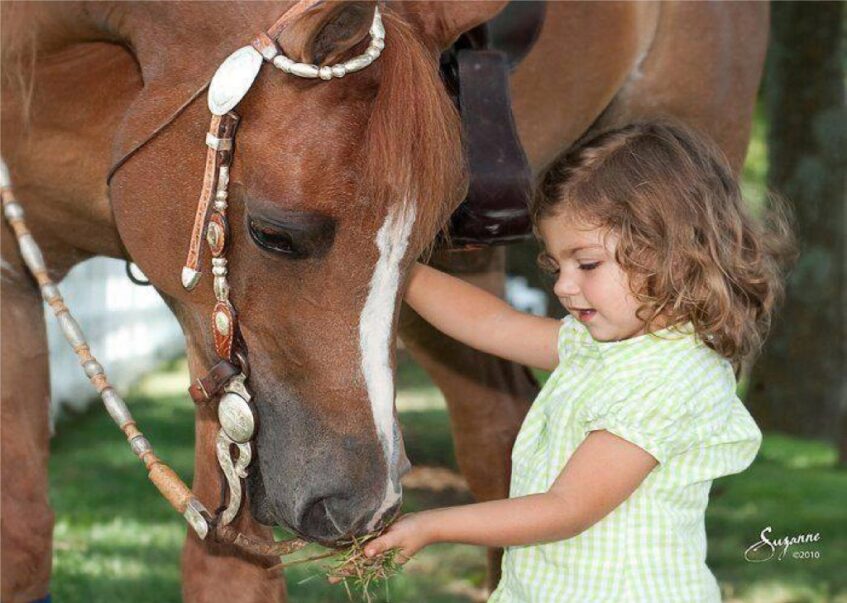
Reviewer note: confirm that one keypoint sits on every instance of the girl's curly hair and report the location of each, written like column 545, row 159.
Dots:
column 690, row 247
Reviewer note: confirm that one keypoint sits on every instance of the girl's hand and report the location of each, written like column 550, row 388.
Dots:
column 410, row 533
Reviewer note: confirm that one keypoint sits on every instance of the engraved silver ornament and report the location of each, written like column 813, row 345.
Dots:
column 236, row 418
column 222, row 323
column 233, row 79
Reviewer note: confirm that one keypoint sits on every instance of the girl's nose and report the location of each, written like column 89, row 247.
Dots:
column 565, row 286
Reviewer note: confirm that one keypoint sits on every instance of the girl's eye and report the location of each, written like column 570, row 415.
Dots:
column 591, row 266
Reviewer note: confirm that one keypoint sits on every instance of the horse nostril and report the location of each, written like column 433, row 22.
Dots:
column 321, row 517
column 314, row 514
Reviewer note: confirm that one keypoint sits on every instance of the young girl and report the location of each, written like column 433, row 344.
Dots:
column 669, row 285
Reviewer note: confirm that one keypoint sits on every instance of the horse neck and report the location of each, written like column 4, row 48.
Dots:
column 63, row 94
column 193, row 37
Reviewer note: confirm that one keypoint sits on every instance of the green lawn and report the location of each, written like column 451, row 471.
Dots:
column 116, row 539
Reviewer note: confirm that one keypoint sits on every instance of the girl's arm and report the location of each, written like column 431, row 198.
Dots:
column 602, row 473
column 482, row 320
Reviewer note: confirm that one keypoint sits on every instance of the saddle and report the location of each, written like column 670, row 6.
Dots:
column 476, row 72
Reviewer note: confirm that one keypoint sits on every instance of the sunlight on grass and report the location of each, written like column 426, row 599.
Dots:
column 777, row 591
column 797, row 454
column 172, row 381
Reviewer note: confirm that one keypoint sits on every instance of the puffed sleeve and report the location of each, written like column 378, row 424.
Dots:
column 732, row 445
column 568, row 337
column 650, row 410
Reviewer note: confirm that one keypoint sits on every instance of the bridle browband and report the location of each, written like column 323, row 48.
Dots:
column 226, row 382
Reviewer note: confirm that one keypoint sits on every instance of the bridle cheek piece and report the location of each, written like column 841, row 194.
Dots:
column 226, row 382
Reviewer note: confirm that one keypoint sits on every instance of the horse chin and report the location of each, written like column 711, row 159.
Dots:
column 263, row 510
column 260, row 507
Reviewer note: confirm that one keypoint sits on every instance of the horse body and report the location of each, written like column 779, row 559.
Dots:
column 330, row 452
column 697, row 61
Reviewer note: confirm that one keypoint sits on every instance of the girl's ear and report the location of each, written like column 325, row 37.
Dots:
column 322, row 34
column 443, row 22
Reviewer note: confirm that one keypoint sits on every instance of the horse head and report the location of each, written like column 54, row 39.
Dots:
column 336, row 187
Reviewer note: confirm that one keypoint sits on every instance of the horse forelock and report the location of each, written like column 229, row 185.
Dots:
column 413, row 148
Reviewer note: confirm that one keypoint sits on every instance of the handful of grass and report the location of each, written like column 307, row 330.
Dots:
column 351, row 566
column 363, row 572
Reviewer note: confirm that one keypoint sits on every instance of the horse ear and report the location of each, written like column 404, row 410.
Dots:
column 443, row 22
column 325, row 32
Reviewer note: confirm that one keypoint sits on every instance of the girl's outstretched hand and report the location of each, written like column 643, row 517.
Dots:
column 410, row 534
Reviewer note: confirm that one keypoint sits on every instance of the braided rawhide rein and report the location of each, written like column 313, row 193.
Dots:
column 169, row 484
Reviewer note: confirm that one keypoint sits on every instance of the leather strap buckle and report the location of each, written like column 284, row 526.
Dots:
column 206, row 388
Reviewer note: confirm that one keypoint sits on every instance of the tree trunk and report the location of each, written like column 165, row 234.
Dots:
column 799, row 384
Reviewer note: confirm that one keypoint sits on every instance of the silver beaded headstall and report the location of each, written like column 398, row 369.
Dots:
column 226, row 382
column 229, row 85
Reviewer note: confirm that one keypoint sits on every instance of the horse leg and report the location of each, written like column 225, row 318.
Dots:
column 212, row 571
column 487, row 397
column 26, row 524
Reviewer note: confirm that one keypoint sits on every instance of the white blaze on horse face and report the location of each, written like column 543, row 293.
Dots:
column 375, row 340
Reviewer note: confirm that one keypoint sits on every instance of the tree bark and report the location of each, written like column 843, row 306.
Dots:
column 799, row 383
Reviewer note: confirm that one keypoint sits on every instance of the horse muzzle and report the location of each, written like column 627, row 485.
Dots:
column 323, row 486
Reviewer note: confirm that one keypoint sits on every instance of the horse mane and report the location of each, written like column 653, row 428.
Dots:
column 19, row 53
column 413, row 145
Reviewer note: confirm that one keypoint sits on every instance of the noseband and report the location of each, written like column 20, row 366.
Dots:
column 226, row 382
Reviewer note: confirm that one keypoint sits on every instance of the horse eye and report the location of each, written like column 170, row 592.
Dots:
column 273, row 239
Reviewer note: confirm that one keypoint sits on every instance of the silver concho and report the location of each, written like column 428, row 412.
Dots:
column 236, row 418
column 222, row 323
column 233, row 79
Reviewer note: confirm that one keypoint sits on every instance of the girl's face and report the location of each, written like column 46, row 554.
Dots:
column 590, row 284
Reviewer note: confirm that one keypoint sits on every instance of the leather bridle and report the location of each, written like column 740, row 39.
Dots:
column 226, row 382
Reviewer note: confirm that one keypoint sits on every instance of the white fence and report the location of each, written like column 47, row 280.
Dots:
column 129, row 328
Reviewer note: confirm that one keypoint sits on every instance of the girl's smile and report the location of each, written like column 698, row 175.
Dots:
column 584, row 315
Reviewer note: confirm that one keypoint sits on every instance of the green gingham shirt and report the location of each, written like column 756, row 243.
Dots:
column 674, row 397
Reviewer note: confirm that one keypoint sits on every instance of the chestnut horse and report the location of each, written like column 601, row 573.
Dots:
column 336, row 188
